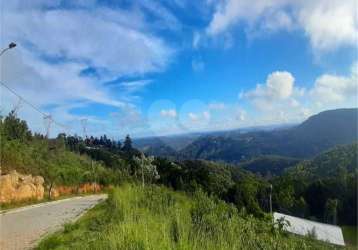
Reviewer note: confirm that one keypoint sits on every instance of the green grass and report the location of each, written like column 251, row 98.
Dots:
column 350, row 234
column 156, row 218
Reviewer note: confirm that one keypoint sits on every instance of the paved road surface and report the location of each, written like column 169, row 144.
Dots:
column 21, row 228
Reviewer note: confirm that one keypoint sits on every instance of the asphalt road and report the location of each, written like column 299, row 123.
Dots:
column 21, row 228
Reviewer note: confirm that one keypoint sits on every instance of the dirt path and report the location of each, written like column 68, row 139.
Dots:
column 21, row 228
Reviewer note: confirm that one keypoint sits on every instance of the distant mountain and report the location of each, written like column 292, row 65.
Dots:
column 171, row 145
column 315, row 135
column 165, row 145
column 327, row 129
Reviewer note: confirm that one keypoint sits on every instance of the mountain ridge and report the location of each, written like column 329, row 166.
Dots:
column 307, row 139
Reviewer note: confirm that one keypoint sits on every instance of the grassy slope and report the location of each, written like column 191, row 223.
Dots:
column 350, row 234
column 35, row 156
column 157, row 218
column 67, row 168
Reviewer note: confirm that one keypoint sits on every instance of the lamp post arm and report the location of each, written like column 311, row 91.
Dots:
column 11, row 46
column 3, row 51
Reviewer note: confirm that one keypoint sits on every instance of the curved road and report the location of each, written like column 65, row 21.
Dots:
column 21, row 228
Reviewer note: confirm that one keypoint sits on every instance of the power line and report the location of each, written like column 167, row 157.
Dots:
column 45, row 116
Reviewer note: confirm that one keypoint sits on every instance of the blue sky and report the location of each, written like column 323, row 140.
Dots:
column 167, row 67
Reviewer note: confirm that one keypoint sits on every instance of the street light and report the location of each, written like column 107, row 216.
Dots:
column 11, row 46
column 271, row 198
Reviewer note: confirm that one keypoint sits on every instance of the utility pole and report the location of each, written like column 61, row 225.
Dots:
column 48, row 121
column 84, row 127
column 94, row 176
column 10, row 46
column 142, row 161
column 142, row 176
column 17, row 106
column 271, row 199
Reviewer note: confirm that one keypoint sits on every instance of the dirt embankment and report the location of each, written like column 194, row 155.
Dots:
column 84, row 188
column 16, row 187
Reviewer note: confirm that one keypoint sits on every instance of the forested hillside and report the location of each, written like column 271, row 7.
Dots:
column 315, row 135
column 269, row 165
column 323, row 189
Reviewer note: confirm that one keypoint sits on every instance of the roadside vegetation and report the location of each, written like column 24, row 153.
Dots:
column 51, row 158
column 155, row 217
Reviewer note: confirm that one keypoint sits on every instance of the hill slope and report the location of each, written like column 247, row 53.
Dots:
column 318, row 133
column 269, row 166
column 341, row 160
column 324, row 188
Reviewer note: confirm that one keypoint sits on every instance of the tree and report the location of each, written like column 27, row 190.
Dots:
column 244, row 195
column 52, row 174
column 331, row 211
column 127, row 145
column 300, row 207
column 119, row 145
column 283, row 197
column 148, row 170
column 15, row 129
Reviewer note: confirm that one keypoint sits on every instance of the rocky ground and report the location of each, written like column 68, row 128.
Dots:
column 15, row 187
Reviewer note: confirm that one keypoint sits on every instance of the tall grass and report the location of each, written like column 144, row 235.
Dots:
column 134, row 218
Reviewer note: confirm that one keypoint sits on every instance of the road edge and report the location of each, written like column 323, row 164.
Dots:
column 20, row 209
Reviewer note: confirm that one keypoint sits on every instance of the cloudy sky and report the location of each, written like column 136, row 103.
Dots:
column 166, row 67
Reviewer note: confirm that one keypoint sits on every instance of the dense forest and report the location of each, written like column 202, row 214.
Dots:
column 322, row 189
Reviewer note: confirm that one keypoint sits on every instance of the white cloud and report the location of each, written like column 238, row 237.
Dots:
column 193, row 117
column 134, row 86
column 331, row 89
column 216, row 106
column 328, row 24
column 168, row 113
column 199, row 117
column 98, row 39
column 229, row 12
column 206, row 115
column 56, row 45
column 279, row 86
column 164, row 18
column 277, row 21
column 44, row 84
column 279, row 100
